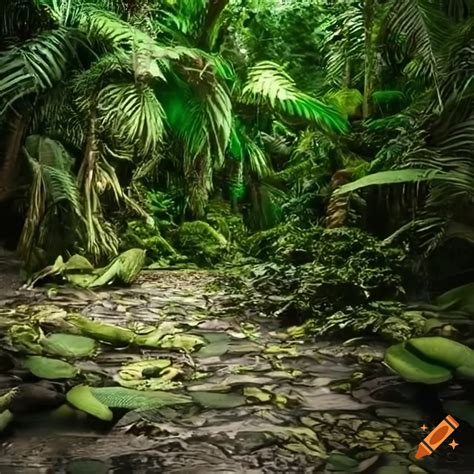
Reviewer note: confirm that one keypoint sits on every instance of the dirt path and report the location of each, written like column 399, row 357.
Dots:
column 259, row 401
column 9, row 273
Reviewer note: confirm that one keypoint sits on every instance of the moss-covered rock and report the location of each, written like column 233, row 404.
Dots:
column 230, row 224
column 201, row 242
column 342, row 279
column 140, row 234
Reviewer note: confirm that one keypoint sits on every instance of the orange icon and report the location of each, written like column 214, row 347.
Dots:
column 437, row 437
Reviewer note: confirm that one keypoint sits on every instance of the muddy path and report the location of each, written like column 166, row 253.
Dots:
column 258, row 401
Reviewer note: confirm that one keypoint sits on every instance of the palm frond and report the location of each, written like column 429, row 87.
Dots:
column 389, row 177
column 246, row 151
column 268, row 84
column 131, row 114
column 344, row 46
column 425, row 28
column 347, row 101
column 37, row 65
column 53, row 187
column 56, row 116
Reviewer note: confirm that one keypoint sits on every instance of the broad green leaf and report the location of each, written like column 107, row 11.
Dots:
column 214, row 349
column 260, row 395
column 269, row 84
column 414, row 369
column 46, row 368
column 82, row 398
column 459, row 299
column 120, row 397
column 6, row 398
column 52, row 270
column 153, row 338
column 153, row 374
column 6, row 417
column 78, row 262
column 442, row 351
column 185, row 342
column 411, row 175
column 102, row 331
column 124, row 269
column 341, row 462
column 69, row 345
column 83, row 280
column 144, row 368
column 466, row 372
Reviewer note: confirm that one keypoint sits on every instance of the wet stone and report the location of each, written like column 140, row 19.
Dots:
column 256, row 402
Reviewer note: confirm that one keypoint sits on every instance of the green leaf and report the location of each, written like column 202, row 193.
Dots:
column 389, row 177
column 466, row 372
column 414, row 369
column 442, row 351
column 268, row 83
column 78, row 263
column 120, row 397
column 46, row 368
column 152, row 374
column 69, row 345
column 82, row 280
column 82, row 398
column 6, row 417
column 458, row 299
column 7, row 398
column 386, row 97
column 341, row 462
column 185, row 342
column 102, row 331
column 124, row 269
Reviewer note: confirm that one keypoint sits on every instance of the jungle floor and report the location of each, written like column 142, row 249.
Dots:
column 261, row 402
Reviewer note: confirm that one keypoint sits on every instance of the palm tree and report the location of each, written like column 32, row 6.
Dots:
column 106, row 87
column 91, row 81
column 435, row 40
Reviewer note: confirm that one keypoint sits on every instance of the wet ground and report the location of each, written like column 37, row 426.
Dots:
column 259, row 401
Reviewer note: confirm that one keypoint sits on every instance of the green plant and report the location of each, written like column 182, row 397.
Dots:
column 201, row 243
column 431, row 360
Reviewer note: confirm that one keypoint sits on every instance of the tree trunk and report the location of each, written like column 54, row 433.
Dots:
column 369, row 16
column 214, row 10
column 11, row 157
column 347, row 69
column 85, row 179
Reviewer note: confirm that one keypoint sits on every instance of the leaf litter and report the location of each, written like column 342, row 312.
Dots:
column 193, row 381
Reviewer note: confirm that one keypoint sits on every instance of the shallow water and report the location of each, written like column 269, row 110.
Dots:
column 263, row 403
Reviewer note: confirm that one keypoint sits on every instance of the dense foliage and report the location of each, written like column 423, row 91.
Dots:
column 182, row 128
column 314, row 157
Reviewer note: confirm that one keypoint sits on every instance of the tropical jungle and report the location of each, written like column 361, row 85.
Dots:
column 236, row 236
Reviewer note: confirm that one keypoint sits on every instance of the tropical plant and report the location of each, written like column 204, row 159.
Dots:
column 118, row 86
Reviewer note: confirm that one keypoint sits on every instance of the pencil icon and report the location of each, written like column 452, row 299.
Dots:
column 437, row 436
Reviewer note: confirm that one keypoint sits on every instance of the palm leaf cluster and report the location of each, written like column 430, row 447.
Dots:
column 436, row 42
column 139, row 89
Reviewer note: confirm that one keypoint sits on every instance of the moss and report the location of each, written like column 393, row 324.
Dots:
column 339, row 279
column 201, row 243
column 220, row 216
column 144, row 236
